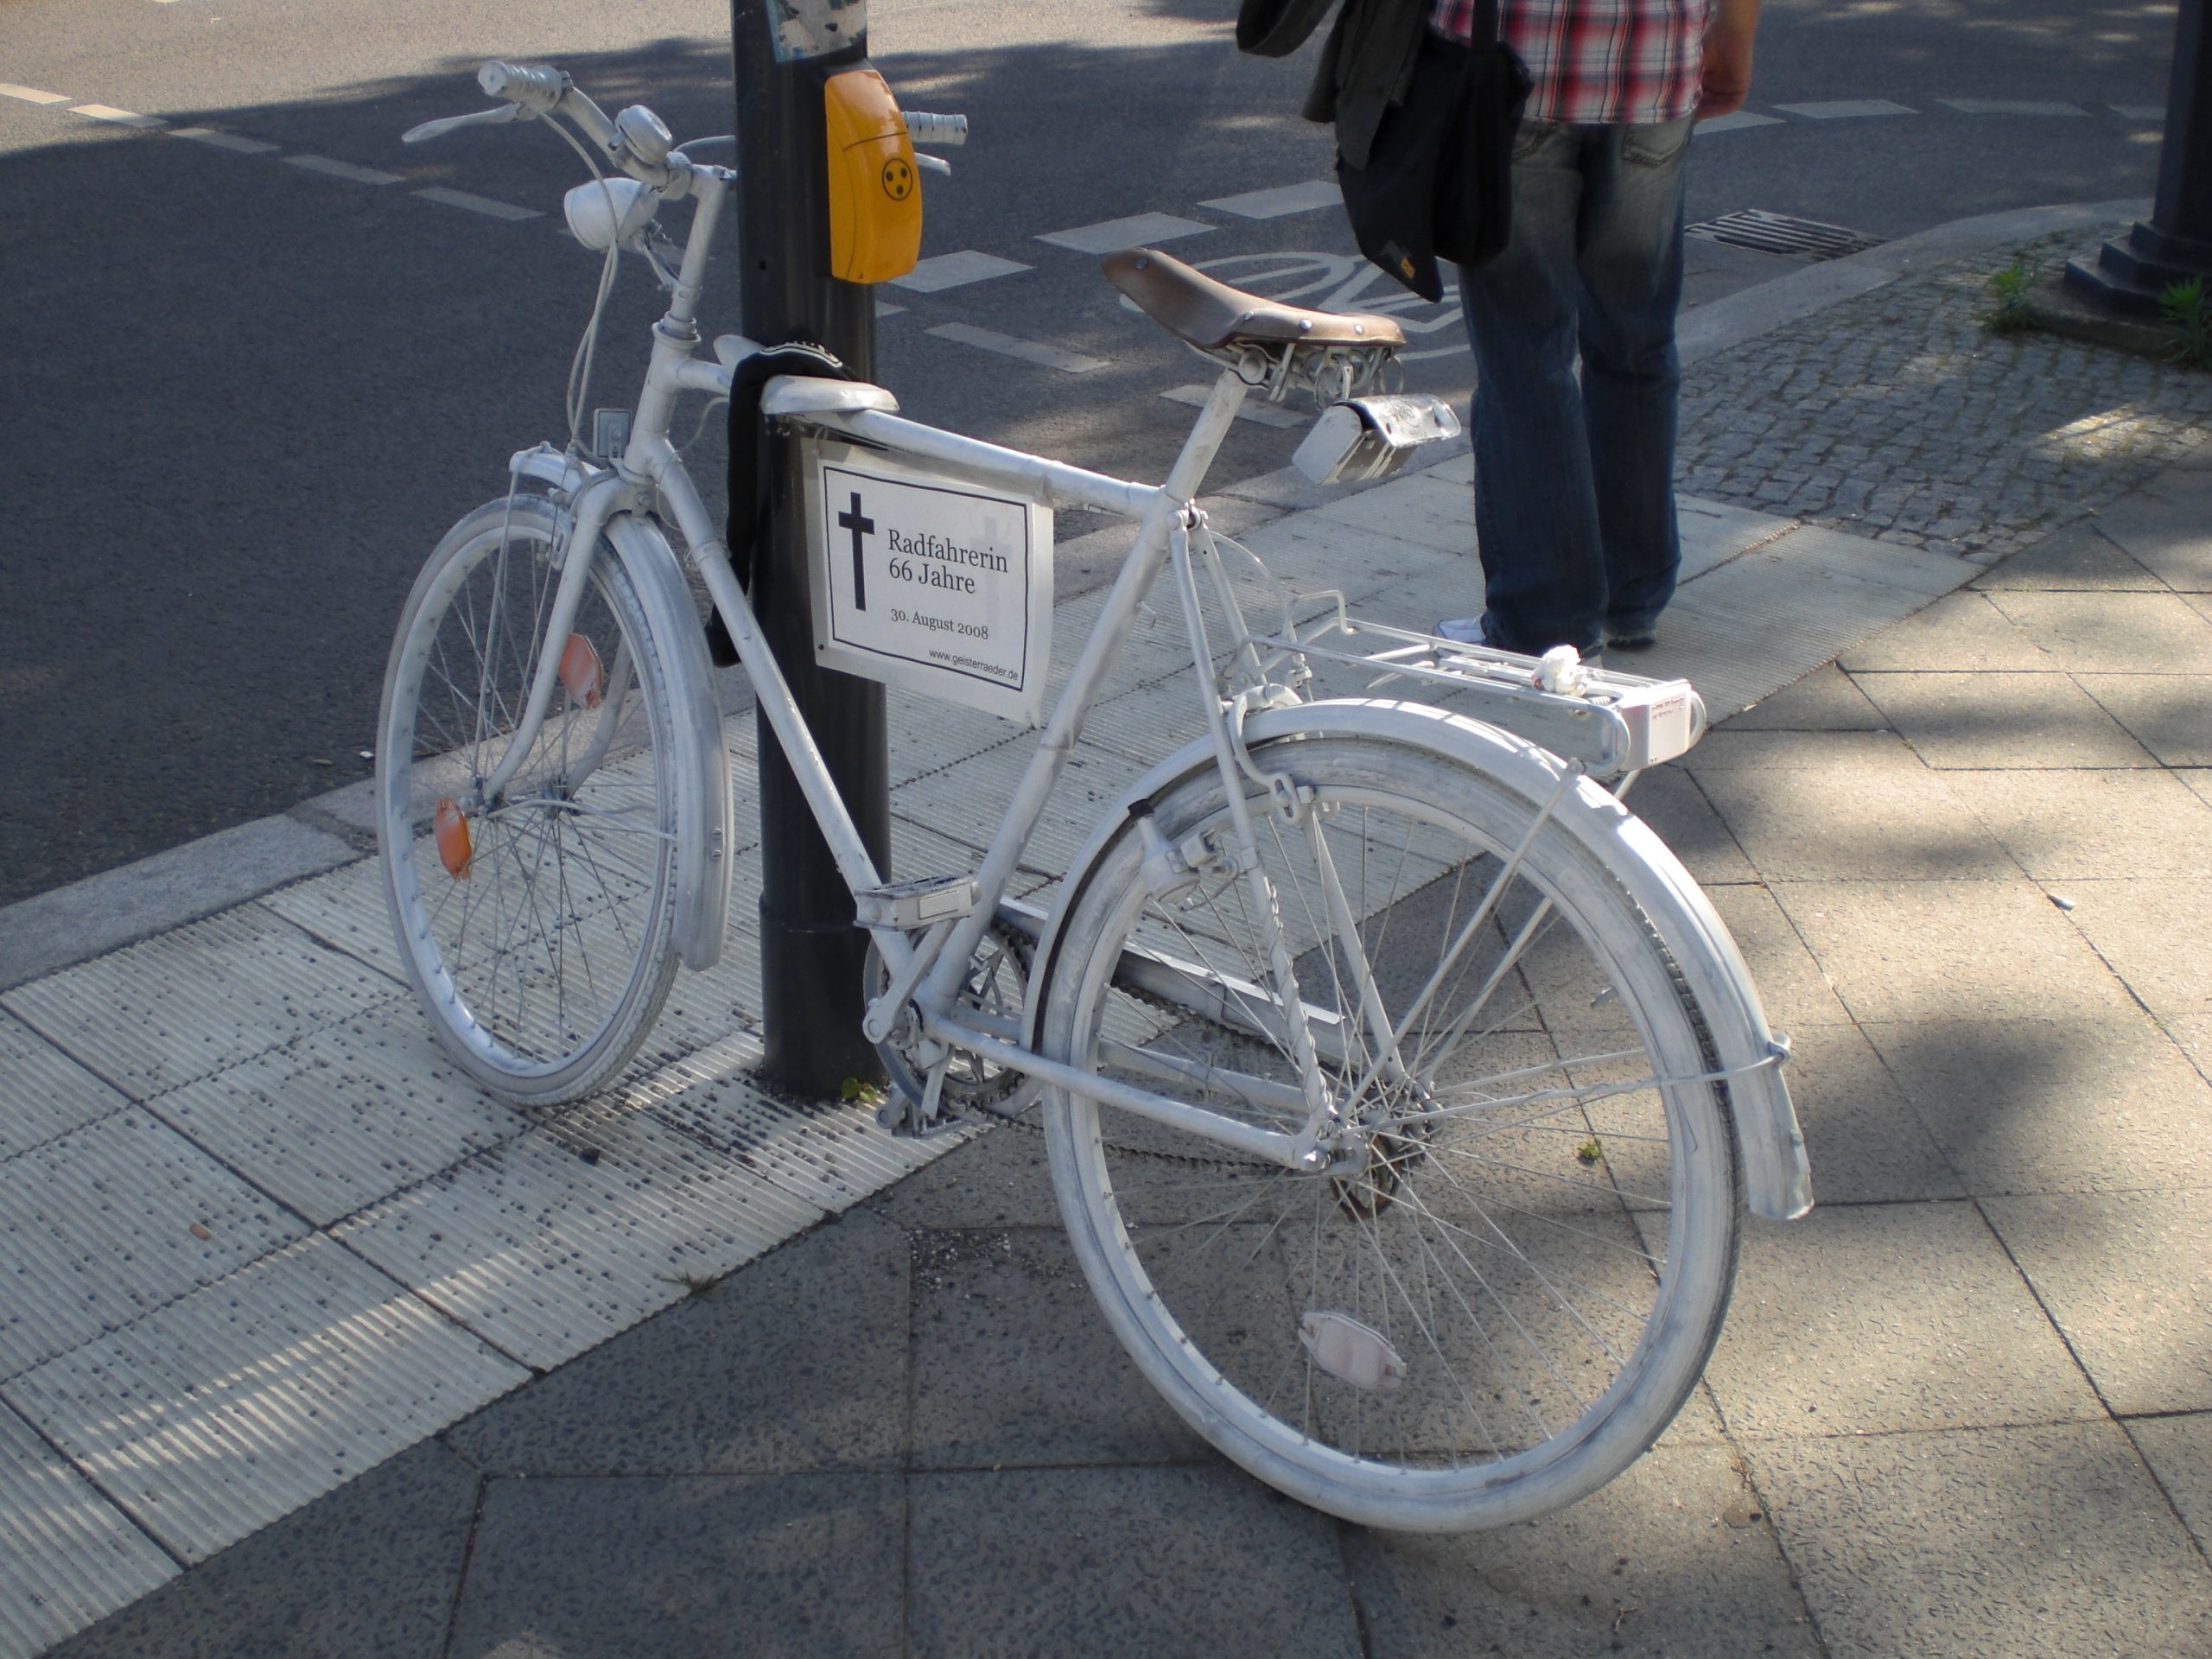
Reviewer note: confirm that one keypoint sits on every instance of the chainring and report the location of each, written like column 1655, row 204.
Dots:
column 997, row 979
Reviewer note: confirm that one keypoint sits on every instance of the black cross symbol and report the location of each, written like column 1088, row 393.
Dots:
column 852, row 520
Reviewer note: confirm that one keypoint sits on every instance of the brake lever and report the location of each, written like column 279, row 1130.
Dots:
column 438, row 128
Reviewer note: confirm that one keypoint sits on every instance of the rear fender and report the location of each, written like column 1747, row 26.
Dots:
column 1777, row 1175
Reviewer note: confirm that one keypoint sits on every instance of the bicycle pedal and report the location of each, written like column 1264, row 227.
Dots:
column 910, row 905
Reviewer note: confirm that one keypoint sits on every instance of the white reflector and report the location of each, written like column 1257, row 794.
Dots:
column 1344, row 1347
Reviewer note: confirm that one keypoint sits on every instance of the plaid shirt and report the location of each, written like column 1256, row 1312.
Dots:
column 1603, row 62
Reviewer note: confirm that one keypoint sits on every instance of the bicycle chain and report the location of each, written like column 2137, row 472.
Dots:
column 1346, row 1193
column 1020, row 943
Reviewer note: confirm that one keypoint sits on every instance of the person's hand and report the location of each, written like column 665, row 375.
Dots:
column 1727, row 80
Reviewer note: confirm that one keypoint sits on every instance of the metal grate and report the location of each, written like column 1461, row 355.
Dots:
column 1794, row 239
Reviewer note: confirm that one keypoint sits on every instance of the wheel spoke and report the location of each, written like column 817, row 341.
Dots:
column 542, row 961
column 1469, row 1283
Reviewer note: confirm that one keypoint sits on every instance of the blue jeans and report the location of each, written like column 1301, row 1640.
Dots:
column 1574, row 480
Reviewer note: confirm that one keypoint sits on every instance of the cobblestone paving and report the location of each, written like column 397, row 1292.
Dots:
column 1897, row 416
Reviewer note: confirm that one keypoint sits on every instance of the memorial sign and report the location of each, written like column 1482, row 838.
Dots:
column 930, row 584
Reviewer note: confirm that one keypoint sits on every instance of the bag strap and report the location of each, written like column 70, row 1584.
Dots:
column 1275, row 28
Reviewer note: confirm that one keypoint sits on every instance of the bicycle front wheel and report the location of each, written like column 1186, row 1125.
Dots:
column 535, row 927
column 1509, row 1281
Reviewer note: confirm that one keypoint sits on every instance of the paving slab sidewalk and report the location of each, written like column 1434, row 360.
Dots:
column 1965, row 1406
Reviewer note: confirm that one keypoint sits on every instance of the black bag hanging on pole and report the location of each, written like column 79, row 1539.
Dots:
column 1439, row 177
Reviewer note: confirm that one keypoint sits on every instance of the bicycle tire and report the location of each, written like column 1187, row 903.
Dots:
column 543, row 956
column 1506, row 1256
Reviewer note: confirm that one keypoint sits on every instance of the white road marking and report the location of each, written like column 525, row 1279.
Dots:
column 1049, row 356
column 1260, row 414
column 483, row 205
column 934, row 276
column 118, row 117
column 2138, row 111
column 1735, row 121
column 885, row 308
column 1284, row 198
column 1108, row 235
column 1846, row 108
column 342, row 169
column 67, row 1557
column 221, row 140
column 2010, row 106
column 31, row 94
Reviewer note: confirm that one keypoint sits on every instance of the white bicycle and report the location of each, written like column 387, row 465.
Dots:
column 1403, row 1093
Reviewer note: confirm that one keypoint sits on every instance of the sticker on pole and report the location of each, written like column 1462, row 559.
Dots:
column 808, row 29
column 928, row 582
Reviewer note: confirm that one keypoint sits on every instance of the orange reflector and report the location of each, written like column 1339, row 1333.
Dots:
column 451, row 828
column 579, row 671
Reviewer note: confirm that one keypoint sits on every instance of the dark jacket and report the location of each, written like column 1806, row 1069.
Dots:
column 1365, row 68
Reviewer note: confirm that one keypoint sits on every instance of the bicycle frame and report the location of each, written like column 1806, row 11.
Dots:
column 927, row 974
column 1495, row 1169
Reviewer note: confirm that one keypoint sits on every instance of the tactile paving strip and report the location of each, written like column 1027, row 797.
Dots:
column 549, row 1244
column 925, row 735
column 49, row 1094
column 980, row 788
column 193, row 1002
column 221, row 1412
column 345, row 908
column 114, row 1220
column 67, row 1557
column 343, row 1116
column 831, row 1155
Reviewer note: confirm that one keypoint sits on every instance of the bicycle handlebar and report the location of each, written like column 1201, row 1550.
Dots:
column 550, row 92
column 540, row 88
column 935, row 129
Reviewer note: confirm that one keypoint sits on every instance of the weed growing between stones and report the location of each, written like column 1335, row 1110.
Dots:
column 2187, row 312
column 2008, row 291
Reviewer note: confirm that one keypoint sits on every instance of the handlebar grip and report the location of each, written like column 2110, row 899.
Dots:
column 935, row 129
column 541, row 88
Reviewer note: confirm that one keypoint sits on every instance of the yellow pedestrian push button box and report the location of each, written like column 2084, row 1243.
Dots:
column 875, row 191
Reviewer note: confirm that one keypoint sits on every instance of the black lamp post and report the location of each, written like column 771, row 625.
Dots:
column 811, row 955
column 2175, row 244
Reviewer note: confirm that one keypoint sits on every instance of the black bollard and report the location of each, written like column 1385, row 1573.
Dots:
column 2175, row 244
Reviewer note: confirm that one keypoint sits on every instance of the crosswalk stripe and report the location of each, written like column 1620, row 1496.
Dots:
column 1110, row 234
column 342, row 169
column 1027, row 351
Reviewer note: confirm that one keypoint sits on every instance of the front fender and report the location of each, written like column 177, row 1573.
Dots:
column 1777, row 1175
column 701, row 761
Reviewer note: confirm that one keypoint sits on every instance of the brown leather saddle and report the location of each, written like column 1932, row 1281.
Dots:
column 1211, row 315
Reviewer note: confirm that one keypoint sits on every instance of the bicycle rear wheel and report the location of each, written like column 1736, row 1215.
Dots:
column 535, row 927
column 1508, row 1301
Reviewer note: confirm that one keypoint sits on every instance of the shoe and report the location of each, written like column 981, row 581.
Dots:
column 1475, row 631
column 1642, row 639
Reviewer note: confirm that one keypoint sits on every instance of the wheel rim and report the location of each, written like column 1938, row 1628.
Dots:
column 1513, row 1259
column 530, row 958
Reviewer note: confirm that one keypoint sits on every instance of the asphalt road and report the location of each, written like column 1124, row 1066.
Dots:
column 242, row 390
